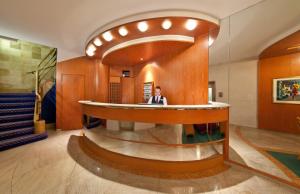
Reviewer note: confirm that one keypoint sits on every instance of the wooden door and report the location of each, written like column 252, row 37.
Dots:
column 127, row 90
column 72, row 91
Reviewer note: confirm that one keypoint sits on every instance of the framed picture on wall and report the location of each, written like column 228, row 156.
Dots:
column 286, row 90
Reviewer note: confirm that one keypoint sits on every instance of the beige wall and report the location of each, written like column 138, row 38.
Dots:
column 238, row 82
column 16, row 59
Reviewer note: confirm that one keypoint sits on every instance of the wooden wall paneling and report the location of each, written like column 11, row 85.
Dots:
column 274, row 116
column 73, row 90
column 183, row 76
column 81, row 66
column 102, row 82
column 127, row 90
column 116, row 70
column 140, row 53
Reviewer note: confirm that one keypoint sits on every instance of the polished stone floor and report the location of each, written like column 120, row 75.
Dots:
column 150, row 144
column 250, row 144
column 47, row 167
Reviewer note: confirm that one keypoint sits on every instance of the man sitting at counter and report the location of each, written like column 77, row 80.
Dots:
column 158, row 98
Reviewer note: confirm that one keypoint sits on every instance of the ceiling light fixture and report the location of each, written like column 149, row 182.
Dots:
column 210, row 41
column 91, row 48
column 167, row 24
column 123, row 31
column 90, row 53
column 107, row 36
column 97, row 42
column 191, row 24
column 141, row 59
column 142, row 26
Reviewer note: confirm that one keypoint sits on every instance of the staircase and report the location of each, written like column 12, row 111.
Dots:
column 16, row 120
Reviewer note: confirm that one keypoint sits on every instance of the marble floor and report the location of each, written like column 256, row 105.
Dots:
column 251, row 144
column 47, row 167
column 153, row 145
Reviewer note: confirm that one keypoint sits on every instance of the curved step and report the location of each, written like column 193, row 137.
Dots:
column 150, row 167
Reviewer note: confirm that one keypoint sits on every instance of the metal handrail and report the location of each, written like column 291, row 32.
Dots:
column 48, row 63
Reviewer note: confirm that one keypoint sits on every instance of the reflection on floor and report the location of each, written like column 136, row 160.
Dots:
column 253, row 145
column 46, row 167
column 116, row 141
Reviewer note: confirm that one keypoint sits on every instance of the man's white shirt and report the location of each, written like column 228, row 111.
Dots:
column 157, row 99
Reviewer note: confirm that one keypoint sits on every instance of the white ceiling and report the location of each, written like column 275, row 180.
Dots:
column 67, row 24
column 244, row 35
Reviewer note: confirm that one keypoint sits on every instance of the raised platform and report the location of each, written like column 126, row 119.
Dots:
column 151, row 158
column 152, row 152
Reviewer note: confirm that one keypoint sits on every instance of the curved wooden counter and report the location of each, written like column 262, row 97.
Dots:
column 214, row 112
column 169, row 114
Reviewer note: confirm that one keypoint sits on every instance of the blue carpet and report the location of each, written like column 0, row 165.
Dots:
column 16, row 120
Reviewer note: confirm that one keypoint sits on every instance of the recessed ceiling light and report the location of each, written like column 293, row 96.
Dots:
column 210, row 41
column 142, row 26
column 90, row 53
column 91, row 48
column 107, row 36
column 141, row 59
column 123, row 31
column 97, row 42
column 166, row 24
column 190, row 24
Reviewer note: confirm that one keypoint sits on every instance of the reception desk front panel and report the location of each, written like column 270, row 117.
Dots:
column 170, row 114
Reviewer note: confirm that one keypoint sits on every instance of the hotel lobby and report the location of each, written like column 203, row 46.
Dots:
column 150, row 97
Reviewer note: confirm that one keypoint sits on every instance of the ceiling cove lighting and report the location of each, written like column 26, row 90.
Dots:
column 294, row 47
column 191, row 24
column 142, row 26
column 123, row 31
column 167, row 24
column 97, row 42
column 107, row 36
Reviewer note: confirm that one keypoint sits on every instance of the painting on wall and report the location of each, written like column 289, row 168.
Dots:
column 286, row 90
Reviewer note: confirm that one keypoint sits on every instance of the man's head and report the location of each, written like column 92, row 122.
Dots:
column 157, row 91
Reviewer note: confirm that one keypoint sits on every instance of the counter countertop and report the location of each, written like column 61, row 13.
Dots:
column 210, row 105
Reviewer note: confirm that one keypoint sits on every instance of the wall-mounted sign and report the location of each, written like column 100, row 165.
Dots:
column 148, row 90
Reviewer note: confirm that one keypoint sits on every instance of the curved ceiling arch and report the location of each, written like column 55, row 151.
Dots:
column 278, row 38
column 153, row 14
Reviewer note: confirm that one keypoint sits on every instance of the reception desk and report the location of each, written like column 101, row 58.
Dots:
column 168, row 114
column 185, row 115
